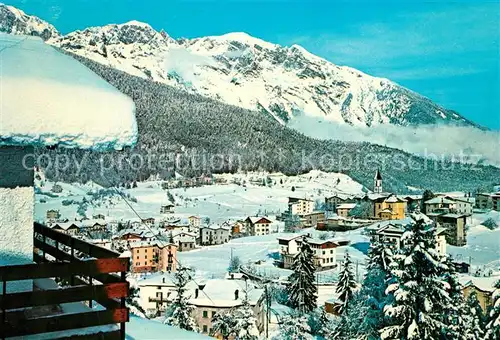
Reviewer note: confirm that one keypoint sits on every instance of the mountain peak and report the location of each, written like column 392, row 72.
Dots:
column 245, row 71
column 15, row 21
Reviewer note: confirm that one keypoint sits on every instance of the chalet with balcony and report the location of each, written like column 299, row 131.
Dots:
column 258, row 225
column 344, row 209
column 49, row 99
column 167, row 208
column 153, row 256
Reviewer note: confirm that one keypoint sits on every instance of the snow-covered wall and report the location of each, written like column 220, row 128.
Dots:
column 16, row 212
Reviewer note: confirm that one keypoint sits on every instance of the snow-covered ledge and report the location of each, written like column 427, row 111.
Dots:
column 16, row 211
column 48, row 98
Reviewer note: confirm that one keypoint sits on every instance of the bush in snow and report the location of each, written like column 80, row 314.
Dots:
column 56, row 188
column 490, row 223
column 294, row 327
column 234, row 264
column 475, row 324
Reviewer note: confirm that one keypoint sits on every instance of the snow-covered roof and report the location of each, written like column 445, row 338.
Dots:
column 439, row 200
column 221, row 293
column 394, row 199
column 164, row 279
column 346, row 206
column 65, row 225
column 49, row 98
column 140, row 328
column 483, row 283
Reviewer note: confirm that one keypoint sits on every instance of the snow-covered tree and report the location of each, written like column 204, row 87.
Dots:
column 371, row 300
column 456, row 312
column 320, row 323
column 347, row 283
column 294, row 327
column 179, row 313
column 474, row 319
column 234, row 264
column 301, row 288
column 223, row 324
column 493, row 325
column 245, row 323
column 419, row 292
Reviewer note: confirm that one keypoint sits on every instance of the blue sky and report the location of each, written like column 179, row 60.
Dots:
column 447, row 51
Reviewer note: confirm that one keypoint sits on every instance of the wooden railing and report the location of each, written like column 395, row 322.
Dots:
column 86, row 271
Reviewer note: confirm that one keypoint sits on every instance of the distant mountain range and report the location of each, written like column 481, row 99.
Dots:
column 244, row 71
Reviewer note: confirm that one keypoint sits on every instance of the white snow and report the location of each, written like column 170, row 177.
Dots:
column 49, row 98
column 139, row 328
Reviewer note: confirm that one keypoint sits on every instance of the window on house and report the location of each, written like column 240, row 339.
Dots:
column 205, row 314
column 145, row 263
column 331, row 251
column 205, row 329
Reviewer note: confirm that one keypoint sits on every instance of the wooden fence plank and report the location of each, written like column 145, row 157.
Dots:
column 80, row 245
column 67, row 294
column 63, row 269
column 22, row 327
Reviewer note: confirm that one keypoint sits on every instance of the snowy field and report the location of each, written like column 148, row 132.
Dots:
column 218, row 202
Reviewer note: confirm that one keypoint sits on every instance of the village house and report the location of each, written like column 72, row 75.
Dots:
column 177, row 224
column 153, row 256
column 221, row 296
column 51, row 100
column 344, row 209
column 495, row 201
column 150, row 221
column 257, row 226
column 439, row 203
column 313, row 219
column 99, row 217
column 300, row 206
column 388, row 206
column 454, row 225
column 288, row 249
column 157, row 291
column 194, row 221
column 484, row 201
column 70, row 228
column 392, row 234
column 185, row 241
column 332, row 202
column 94, row 225
column 167, row 208
column 413, row 202
column 213, row 234
column 325, row 254
column 483, row 287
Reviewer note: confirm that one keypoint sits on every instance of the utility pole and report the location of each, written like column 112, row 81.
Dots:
column 357, row 270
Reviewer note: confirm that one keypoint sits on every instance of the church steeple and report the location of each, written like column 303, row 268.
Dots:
column 377, row 187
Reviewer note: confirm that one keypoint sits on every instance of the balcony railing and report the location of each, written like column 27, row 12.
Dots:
column 90, row 294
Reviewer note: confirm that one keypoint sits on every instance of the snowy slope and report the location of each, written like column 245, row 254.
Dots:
column 248, row 72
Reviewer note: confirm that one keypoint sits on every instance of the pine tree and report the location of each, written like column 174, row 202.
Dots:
column 493, row 325
column 223, row 324
column 180, row 312
column 420, row 296
column 294, row 327
column 346, row 284
column 302, row 292
column 245, row 323
column 456, row 311
column 474, row 319
column 374, row 299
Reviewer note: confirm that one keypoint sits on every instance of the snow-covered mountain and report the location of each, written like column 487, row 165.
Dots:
column 248, row 72
column 15, row 21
